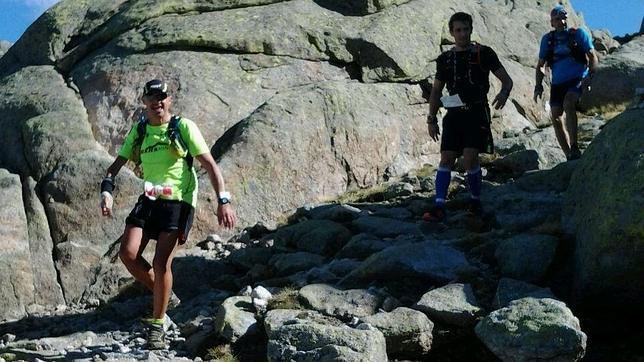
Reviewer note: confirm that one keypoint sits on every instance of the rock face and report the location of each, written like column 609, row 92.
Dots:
column 526, row 257
column 15, row 265
column 604, row 42
column 618, row 75
column 606, row 214
column 4, row 46
column 300, row 100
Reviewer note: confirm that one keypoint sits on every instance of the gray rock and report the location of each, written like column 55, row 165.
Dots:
column 605, row 216
column 408, row 332
column 317, row 157
column 249, row 257
column 398, row 213
column 47, row 289
column 235, row 319
column 542, row 141
column 16, row 274
column 453, row 304
column 533, row 329
column 319, row 342
column 603, row 41
column 509, row 290
column 398, row 189
column 321, row 237
column 615, row 80
column 425, row 260
column 277, row 318
column 286, row 264
column 333, row 212
column 341, row 303
column 555, row 179
column 4, row 46
column 526, row 257
column 518, row 210
column 518, row 162
column 362, row 245
column 44, row 125
column 385, row 227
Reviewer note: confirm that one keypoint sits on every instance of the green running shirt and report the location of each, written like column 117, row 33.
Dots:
column 160, row 163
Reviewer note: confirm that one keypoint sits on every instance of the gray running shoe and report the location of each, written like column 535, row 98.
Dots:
column 155, row 335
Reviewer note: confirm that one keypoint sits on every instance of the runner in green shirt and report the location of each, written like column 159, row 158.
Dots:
column 165, row 210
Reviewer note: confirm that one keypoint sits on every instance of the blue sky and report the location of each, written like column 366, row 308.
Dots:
column 618, row 16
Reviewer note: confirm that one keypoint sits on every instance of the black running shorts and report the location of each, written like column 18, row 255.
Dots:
column 558, row 91
column 467, row 128
column 155, row 216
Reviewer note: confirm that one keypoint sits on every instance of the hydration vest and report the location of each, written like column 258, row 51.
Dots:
column 576, row 51
column 176, row 141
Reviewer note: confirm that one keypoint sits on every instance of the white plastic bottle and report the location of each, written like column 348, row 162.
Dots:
column 153, row 191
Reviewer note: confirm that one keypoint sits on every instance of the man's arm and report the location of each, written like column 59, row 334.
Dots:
column 593, row 61
column 506, row 88
column 116, row 166
column 107, row 185
column 225, row 213
column 592, row 66
column 538, row 75
column 434, row 99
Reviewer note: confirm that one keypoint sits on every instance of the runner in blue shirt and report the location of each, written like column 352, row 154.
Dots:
column 570, row 54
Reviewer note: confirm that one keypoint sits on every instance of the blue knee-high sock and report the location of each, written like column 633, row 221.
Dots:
column 443, row 177
column 474, row 181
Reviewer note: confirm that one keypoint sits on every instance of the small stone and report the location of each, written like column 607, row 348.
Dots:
column 8, row 338
column 139, row 341
column 261, row 293
column 246, row 291
column 214, row 238
column 260, row 304
column 365, row 327
column 93, row 302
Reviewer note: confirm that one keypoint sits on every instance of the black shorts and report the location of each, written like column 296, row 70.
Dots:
column 467, row 128
column 558, row 91
column 155, row 216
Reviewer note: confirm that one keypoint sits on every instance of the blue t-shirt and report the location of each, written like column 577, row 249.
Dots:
column 565, row 67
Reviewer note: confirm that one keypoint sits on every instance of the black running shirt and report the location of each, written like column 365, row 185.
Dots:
column 467, row 72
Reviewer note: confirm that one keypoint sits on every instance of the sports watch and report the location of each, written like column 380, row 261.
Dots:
column 224, row 198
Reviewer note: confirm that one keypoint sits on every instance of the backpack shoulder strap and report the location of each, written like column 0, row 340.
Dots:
column 140, row 131
column 173, row 130
column 174, row 133
column 550, row 51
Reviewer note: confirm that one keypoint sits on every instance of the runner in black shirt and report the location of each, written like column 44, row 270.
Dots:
column 465, row 69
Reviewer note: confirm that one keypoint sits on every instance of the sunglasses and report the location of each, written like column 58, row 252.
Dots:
column 155, row 97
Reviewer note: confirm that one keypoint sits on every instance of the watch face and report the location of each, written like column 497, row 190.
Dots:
column 224, row 200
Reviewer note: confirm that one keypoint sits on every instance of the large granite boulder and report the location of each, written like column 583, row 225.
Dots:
column 16, row 277
column 618, row 75
column 300, row 100
column 310, row 341
column 603, row 41
column 408, row 332
column 427, row 261
column 603, row 209
column 531, row 329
